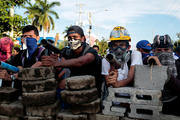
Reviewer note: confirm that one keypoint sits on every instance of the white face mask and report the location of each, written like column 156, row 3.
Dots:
column 74, row 44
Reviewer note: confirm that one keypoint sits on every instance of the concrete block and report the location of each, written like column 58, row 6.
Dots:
column 39, row 99
column 8, row 95
column 40, row 73
column 79, row 97
column 39, row 85
column 69, row 116
column 145, row 112
column 113, row 110
column 93, row 107
column 38, row 118
column 43, row 111
column 9, row 118
column 80, row 82
column 14, row 109
column 152, row 78
column 135, row 96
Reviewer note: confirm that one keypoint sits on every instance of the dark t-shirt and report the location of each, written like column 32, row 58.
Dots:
column 21, row 59
column 93, row 68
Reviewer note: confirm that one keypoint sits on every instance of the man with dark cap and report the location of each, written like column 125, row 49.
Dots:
column 79, row 57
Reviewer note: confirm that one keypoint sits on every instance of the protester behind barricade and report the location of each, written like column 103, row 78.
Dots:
column 28, row 57
column 6, row 45
column 145, row 48
column 118, row 66
column 163, row 55
column 79, row 57
column 177, row 53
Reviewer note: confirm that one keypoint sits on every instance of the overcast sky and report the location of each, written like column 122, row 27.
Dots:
column 142, row 18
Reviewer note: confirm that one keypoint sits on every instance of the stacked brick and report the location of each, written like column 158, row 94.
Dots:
column 39, row 93
column 141, row 101
column 10, row 107
column 81, row 94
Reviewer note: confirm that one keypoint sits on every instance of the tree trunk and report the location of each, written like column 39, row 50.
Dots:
column 12, row 15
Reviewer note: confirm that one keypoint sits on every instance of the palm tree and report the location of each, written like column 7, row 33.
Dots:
column 40, row 14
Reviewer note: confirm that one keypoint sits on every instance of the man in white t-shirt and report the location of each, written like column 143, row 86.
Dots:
column 118, row 66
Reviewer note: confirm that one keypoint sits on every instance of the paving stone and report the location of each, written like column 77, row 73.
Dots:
column 39, row 85
column 8, row 94
column 113, row 110
column 39, row 98
column 9, row 118
column 93, row 107
column 43, row 111
column 39, row 73
column 14, row 109
column 79, row 97
column 145, row 112
column 38, row 118
column 152, row 78
column 169, row 117
column 80, row 82
column 103, row 117
column 69, row 116
column 135, row 96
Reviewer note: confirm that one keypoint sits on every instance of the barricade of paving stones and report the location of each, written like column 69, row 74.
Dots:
column 141, row 101
column 81, row 94
column 39, row 93
column 10, row 106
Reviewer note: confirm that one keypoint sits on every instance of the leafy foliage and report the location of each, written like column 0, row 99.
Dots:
column 6, row 21
column 177, row 43
column 40, row 14
column 103, row 46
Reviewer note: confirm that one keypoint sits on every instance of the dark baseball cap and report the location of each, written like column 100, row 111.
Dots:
column 75, row 29
column 144, row 44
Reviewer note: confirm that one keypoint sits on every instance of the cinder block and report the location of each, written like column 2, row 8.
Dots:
column 39, row 99
column 135, row 96
column 152, row 78
column 43, row 111
column 79, row 97
column 9, row 118
column 38, row 118
column 113, row 110
column 39, row 85
column 80, row 82
column 93, row 107
column 40, row 73
column 14, row 109
column 69, row 116
column 8, row 95
column 145, row 112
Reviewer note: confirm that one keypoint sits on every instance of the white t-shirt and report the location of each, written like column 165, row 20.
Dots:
column 136, row 59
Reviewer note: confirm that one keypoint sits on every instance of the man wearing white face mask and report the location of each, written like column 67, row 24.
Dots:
column 79, row 57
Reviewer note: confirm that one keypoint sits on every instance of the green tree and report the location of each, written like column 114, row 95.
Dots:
column 7, row 22
column 177, row 42
column 40, row 14
column 103, row 46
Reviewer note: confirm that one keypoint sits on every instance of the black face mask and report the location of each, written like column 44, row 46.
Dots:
column 166, row 58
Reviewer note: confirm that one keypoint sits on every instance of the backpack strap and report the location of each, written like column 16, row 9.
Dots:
column 86, row 49
column 129, row 61
column 40, row 50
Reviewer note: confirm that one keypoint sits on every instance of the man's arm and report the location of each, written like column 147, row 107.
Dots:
column 74, row 62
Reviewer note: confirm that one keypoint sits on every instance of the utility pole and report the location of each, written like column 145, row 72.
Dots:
column 80, row 23
column 11, row 15
column 90, row 27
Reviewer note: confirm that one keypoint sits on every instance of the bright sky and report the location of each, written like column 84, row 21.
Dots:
column 142, row 18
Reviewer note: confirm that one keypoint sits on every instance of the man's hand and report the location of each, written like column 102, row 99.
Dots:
column 155, row 59
column 37, row 64
column 4, row 75
column 49, row 60
column 112, row 78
